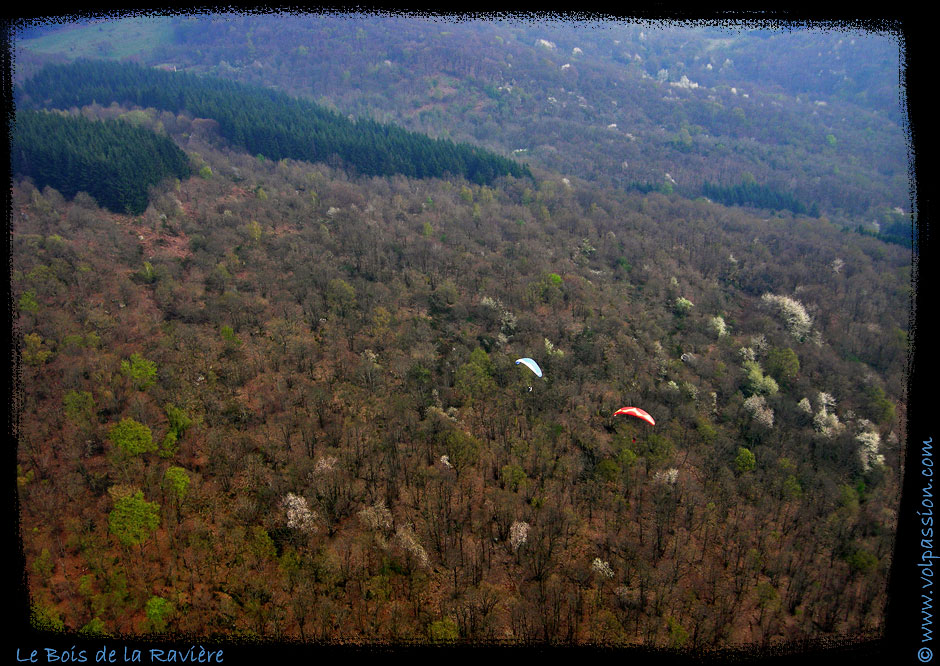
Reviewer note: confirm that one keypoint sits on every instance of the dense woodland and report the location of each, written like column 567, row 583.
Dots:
column 268, row 123
column 282, row 402
column 616, row 103
column 758, row 196
column 115, row 162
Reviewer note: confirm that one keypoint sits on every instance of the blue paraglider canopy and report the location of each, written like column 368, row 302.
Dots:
column 531, row 365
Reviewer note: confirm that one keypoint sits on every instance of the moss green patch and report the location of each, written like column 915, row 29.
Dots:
column 106, row 39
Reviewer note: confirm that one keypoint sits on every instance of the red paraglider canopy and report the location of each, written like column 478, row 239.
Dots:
column 637, row 412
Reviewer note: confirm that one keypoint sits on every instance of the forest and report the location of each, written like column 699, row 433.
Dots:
column 281, row 401
column 814, row 113
column 265, row 122
column 758, row 196
column 115, row 162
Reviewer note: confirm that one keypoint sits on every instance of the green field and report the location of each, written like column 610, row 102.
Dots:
column 110, row 39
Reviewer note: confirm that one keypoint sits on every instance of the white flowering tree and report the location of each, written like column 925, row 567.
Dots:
column 869, row 443
column 325, row 465
column 408, row 541
column 507, row 320
column 825, row 400
column 668, row 476
column 602, row 568
column 760, row 413
column 794, row 315
column 376, row 517
column 299, row 514
column 825, row 422
column 518, row 533
column 759, row 343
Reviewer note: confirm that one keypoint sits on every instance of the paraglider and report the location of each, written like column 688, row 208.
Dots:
column 637, row 412
column 531, row 365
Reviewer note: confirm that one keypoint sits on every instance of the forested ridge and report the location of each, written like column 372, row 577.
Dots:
column 266, row 122
column 615, row 102
column 281, row 400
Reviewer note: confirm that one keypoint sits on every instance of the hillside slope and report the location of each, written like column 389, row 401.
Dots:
column 283, row 401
